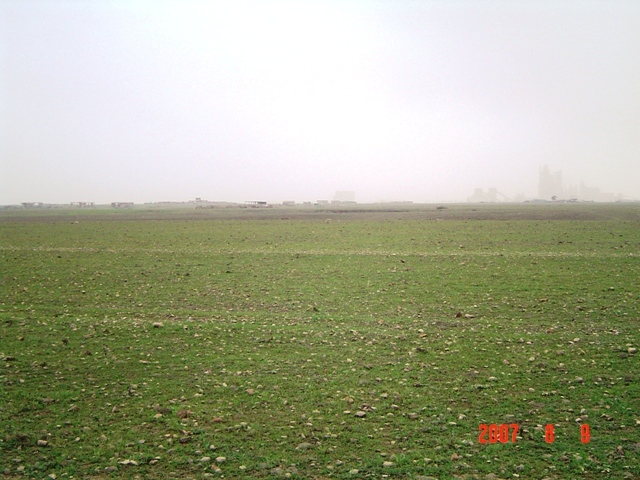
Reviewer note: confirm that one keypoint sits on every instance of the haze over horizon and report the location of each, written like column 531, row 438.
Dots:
column 278, row 100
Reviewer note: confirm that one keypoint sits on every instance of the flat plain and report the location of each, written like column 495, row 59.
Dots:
column 321, row 342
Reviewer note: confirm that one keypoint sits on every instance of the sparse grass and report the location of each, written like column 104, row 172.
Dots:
column 272, row 330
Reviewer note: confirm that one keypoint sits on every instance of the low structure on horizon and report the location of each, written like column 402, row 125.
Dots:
column 344, row 196
column 492, row 195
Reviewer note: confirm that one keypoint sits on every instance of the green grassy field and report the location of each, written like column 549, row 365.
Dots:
column 302, row 343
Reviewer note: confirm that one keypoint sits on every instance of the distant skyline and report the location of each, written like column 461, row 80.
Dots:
column 420, row 101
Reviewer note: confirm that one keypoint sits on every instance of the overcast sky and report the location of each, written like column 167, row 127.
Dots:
column 270, row 100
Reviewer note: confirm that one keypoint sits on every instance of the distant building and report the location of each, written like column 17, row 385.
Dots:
column 550, row 184
column 593, row 194
column 492, row 195
column 550, row 187
column 344, row 196
column 122, row 204
column 322, row 202
column 289, row 203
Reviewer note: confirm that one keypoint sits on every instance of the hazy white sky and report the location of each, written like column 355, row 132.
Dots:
column 272, row 100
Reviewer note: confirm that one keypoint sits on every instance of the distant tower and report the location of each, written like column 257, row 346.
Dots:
column 550, row 184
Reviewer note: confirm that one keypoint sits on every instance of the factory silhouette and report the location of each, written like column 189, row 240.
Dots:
column 550, row 188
